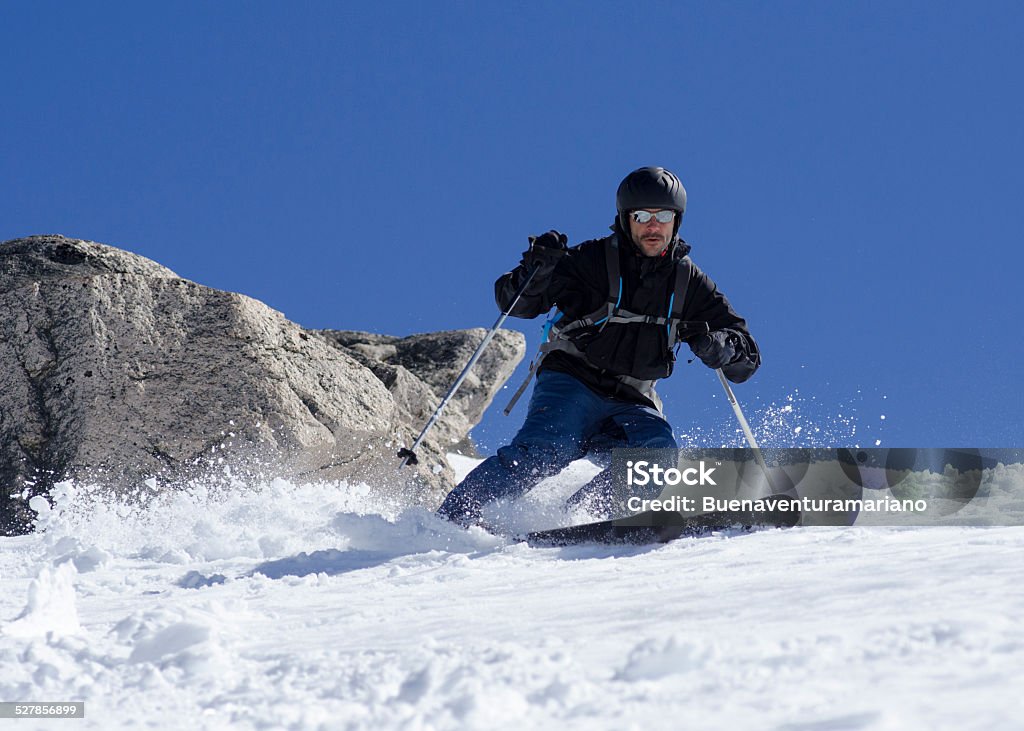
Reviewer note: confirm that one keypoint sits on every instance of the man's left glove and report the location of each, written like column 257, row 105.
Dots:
column 716, row 349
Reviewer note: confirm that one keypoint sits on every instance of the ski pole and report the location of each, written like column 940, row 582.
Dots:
column 748, row 433
column 739, row 415
column 409, row 455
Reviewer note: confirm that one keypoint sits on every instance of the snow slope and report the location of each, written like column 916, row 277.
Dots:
column 314, row 606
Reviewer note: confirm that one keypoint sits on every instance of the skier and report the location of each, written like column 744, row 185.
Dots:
column 621, row 301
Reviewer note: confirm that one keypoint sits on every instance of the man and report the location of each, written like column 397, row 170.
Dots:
column 623, row 300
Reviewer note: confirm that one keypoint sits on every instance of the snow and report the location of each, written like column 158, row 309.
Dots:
column 291, row 606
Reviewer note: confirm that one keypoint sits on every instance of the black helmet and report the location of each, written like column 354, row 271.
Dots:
column 650, row 188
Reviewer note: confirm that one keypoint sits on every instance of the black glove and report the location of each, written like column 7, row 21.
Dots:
column 546, row 249
column 716, row 349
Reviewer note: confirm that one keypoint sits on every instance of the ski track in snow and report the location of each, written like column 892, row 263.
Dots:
column 315, row 606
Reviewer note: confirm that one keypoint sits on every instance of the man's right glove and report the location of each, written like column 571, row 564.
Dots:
column 546, row 250
column 716, row 349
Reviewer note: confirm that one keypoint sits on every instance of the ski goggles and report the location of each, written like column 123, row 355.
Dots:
column 660, row 216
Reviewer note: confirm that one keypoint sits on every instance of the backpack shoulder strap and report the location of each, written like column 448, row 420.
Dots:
column 611, row 255
column 682, row 283
column 676, row 302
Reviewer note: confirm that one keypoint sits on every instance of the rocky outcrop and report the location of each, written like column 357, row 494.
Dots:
column 115, row 370
column 420, row 368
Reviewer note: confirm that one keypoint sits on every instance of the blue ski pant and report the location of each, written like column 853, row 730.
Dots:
column 566, row 421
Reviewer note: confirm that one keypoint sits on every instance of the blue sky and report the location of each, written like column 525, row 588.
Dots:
column 854, row 172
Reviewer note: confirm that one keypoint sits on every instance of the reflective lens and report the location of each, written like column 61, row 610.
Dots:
column 661, row 216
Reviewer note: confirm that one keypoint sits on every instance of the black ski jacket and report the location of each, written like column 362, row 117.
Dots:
column 578, row 285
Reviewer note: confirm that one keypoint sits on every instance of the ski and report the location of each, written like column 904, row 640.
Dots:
column 660, row 526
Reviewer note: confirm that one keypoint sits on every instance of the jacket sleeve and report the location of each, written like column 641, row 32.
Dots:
column 705, row 303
